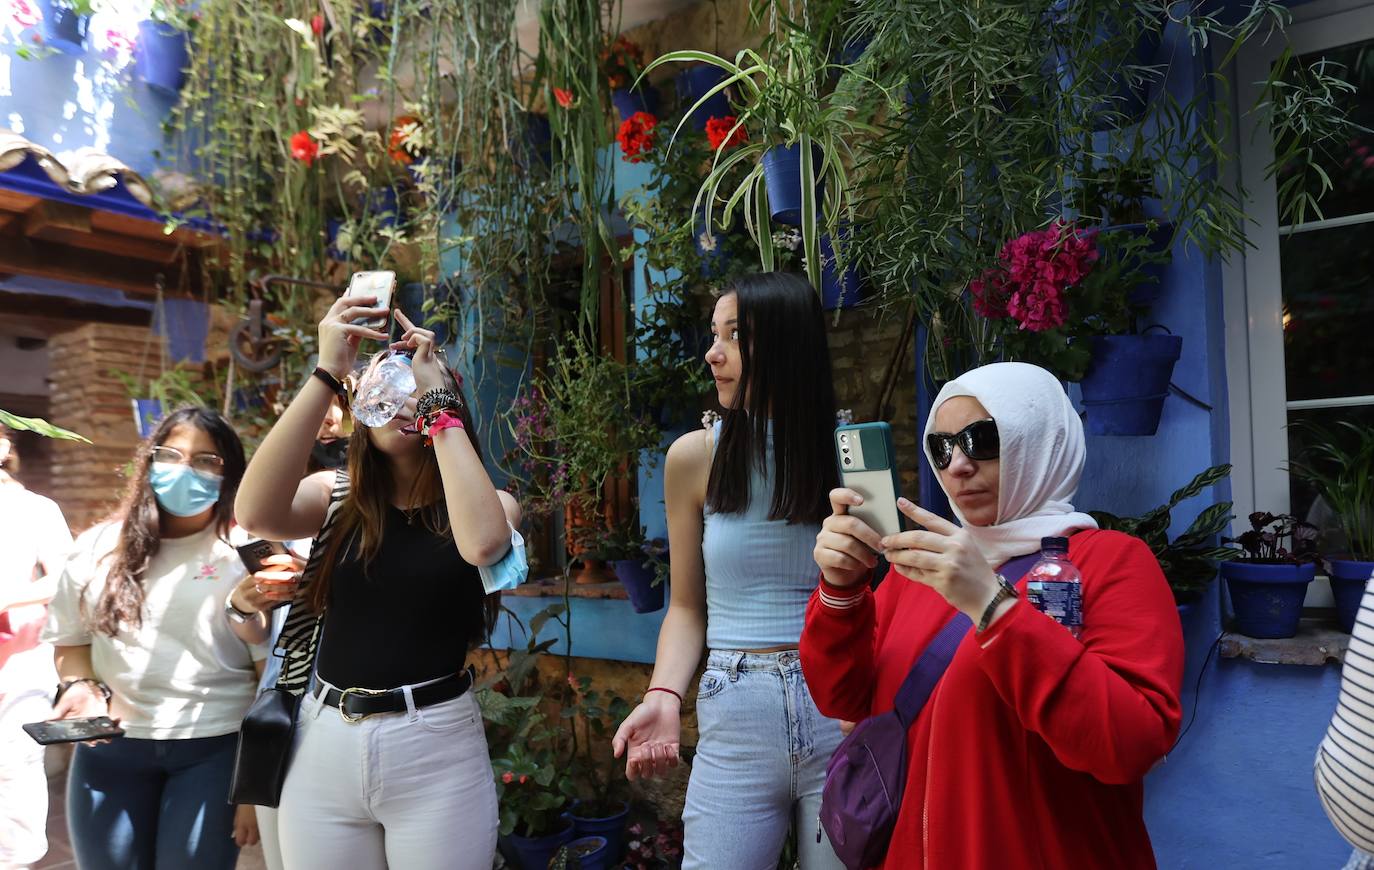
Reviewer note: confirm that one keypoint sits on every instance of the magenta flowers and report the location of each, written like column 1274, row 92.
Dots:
column 1037, row 269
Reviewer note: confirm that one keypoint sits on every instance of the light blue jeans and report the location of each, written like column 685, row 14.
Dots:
column 759, row 767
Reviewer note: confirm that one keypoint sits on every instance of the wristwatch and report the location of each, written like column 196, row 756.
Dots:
column 1004, row 591
column 235, row 615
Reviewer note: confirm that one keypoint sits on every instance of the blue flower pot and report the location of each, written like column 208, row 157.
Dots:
column 533, row 853
column 382, row 202
column 162, row 57
column 63, row 29
column 838, row 289
column 627, row 101
column 609, row 828
column 1267, row 599
column 592, row 853
column 1348, row 580
column 1125, row 386
column 692, row 84
column 638, row 581
column 148, row 414
column 782, row 177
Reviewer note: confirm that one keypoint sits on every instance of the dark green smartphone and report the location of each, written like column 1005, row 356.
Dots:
column 867, row 466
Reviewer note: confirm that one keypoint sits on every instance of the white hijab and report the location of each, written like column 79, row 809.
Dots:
column 1042, row 456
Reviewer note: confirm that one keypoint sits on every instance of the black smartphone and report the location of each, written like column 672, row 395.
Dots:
column 73, row 730
column 253, row 552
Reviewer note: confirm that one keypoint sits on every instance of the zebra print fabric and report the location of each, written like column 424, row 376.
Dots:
column 300, row 637
column 1344, row 769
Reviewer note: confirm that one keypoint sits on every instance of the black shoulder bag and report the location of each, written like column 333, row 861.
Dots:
column 268, row 732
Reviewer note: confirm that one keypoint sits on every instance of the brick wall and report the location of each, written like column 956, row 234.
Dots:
column 88, row 479
column 865, row 343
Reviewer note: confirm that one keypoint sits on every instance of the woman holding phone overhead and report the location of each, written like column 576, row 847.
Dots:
column 391, row 765
column 1030, row 751
column 744, row 503
column 138, row 635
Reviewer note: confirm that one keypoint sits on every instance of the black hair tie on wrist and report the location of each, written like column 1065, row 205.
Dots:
column 437, row 399
column 332, row 382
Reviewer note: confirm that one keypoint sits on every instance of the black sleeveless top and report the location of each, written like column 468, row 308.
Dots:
column 409, row 619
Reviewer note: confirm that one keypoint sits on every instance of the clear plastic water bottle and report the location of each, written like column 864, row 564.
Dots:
column 1054, row 585
column 384, row 390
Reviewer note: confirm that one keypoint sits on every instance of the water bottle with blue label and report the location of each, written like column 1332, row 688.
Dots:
column 1055, row 587
column 383, row 391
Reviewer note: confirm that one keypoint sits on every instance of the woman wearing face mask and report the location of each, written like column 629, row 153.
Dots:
column 138, row 637
column 1030, row 751
column 391, row 765
column 744, row 505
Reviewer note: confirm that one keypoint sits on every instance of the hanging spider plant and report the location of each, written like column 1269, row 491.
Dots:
column 781, row 104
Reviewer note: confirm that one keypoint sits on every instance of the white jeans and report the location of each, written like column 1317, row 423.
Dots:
column 26, row 686
column 409, row 791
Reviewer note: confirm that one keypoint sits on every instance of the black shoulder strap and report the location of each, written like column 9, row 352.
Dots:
column 300, row 637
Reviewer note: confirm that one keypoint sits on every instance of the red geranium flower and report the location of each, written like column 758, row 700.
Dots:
column 317, row 24
column 564, row 97
column 718, row 132
column 400, row 148
column 636, row 136
column 507, row 777
column 303, row 148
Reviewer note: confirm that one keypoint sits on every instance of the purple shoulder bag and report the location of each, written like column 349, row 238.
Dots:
column 867, row 773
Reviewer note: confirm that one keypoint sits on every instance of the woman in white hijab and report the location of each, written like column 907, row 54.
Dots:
column 1031, row 749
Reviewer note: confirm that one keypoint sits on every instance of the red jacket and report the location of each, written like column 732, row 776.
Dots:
column 1031, row 751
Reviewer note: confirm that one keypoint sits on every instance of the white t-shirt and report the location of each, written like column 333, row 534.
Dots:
column 34, row 541
column 183, row 673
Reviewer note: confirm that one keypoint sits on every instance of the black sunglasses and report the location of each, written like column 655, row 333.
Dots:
column 979, row 441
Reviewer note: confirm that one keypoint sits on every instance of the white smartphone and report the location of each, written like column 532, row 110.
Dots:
column 864, row 454
column 381, row 284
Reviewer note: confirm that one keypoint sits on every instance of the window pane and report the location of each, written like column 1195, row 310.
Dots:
column 1302, row 497
column 1350, row 164
column 1328, row 312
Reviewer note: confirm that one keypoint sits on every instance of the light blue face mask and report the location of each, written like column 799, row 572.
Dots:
column 511, row 571
column 181, row 490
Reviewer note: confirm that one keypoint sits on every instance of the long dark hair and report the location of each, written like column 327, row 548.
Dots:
column 362, row 515
column 121, row 601
column 785, row 378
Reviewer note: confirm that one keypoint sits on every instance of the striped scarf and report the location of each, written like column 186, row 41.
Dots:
column 300, row 637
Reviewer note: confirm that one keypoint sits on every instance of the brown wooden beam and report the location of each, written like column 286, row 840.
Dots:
column 66, row 313
column 58, row 262
column 56, row 217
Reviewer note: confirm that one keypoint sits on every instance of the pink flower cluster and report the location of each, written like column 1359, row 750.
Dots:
column 1037, row 269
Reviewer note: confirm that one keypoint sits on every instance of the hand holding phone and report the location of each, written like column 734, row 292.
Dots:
column 73, row 730
column 254, row 552
column 380, row 284
column 867, row 466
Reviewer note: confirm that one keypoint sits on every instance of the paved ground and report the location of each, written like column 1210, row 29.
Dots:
column 59, row 855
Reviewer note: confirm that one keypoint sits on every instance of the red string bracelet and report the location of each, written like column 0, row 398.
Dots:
column 662, row 689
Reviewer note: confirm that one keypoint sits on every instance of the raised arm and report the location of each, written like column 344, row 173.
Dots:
column 652, row 732
column 478, row 514
column 268, row 506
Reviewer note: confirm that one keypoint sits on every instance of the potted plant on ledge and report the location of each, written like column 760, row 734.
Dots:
column 1340, row 466
column 1268, row 576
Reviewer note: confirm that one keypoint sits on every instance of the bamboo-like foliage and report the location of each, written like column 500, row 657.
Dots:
column 1340, row 465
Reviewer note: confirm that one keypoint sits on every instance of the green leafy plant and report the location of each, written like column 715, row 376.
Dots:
column 40, row 426
column 1189, row 561
column 591, row 428
column 783, row 101
column 1340, row 465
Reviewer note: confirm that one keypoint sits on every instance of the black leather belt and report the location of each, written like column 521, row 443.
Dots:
column 355, row 705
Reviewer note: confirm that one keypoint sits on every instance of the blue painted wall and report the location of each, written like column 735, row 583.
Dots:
column 64, row 102
column 1237, row 792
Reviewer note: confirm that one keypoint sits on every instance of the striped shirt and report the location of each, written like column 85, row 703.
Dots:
column 1345, row 760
